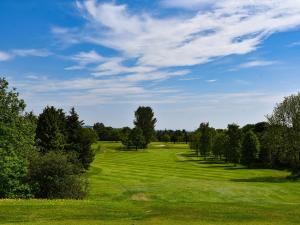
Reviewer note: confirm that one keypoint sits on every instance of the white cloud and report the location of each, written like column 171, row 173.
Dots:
column 227, row 27
column 154, row 76
column 85, row 58
column 257, row 63
column 88, row 57
column 4, row 56
column 154, row 45
column 211, row 81
column 190, row 78
column 31, row 52
column 297, row 43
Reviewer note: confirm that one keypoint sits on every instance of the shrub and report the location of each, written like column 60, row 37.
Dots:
column 53, row 176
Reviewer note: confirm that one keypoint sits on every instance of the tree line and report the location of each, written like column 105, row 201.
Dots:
column 122, row 134
column 271, row 144
column 143, row 132
column 42, row 156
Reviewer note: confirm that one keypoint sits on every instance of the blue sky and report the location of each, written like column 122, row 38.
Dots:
column 191, row 60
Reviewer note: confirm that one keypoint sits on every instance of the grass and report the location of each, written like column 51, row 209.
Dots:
column 166, row 184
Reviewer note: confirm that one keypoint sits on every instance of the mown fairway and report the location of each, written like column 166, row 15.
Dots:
column 166, row 185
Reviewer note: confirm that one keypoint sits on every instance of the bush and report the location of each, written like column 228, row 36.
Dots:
column 53, row 176
column 135, row 139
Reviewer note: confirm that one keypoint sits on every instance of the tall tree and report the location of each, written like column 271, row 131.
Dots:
column 205, row 139
column 144, row 120
column 86, row 154
column 219, row 144
column 234, row 142
column 185, row 136
column 50, row 131
column 285, row 129
column 73, row 131
column 195, row 142
column 79, row 139
column 250, row 148
column 16, row 143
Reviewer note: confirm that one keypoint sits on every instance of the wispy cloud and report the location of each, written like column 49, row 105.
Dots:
column 211, row 81
column 257, row 63
column 227, row 27
column 90, row 91
column 4, row 56
column 84, row 58
column 31, row 52
column 230, row 29
column 297, row 43
column 190, row 78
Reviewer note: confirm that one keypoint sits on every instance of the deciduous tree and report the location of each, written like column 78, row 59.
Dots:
column 144, row 120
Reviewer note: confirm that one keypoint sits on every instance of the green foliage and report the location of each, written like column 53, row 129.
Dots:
column 233, row 152
column 13, row 176
column 250, row 148
column 107, row 133
column 265, row 153
column 86, row 154
column 220, row 144
column 284, row 137
column 173, row 135
column 144, row 120
column 16, row 143
column 205, row 139
column 73, row 128
column 79, row 139
column 195, row 142
column 53, row 176
column 135, row 139
column 165, row 138
column 50, row 131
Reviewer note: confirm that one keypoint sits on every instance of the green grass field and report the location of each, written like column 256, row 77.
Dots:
column 166, row 185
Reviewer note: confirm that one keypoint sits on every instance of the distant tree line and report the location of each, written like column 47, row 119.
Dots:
column 117, row 134
column 271, row 144
column 44, row 156
column 142, row 133
column 174, row 136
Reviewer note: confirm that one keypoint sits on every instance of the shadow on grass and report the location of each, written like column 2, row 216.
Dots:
column 265, row 180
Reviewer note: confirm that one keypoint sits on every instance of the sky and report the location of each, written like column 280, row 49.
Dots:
column 192, row 61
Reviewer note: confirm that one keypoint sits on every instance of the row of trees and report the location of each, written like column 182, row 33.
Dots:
column 274, row 144
column 44, row 156
column 117, row 134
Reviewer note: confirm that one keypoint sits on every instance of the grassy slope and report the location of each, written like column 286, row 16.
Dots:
column 166, row 185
